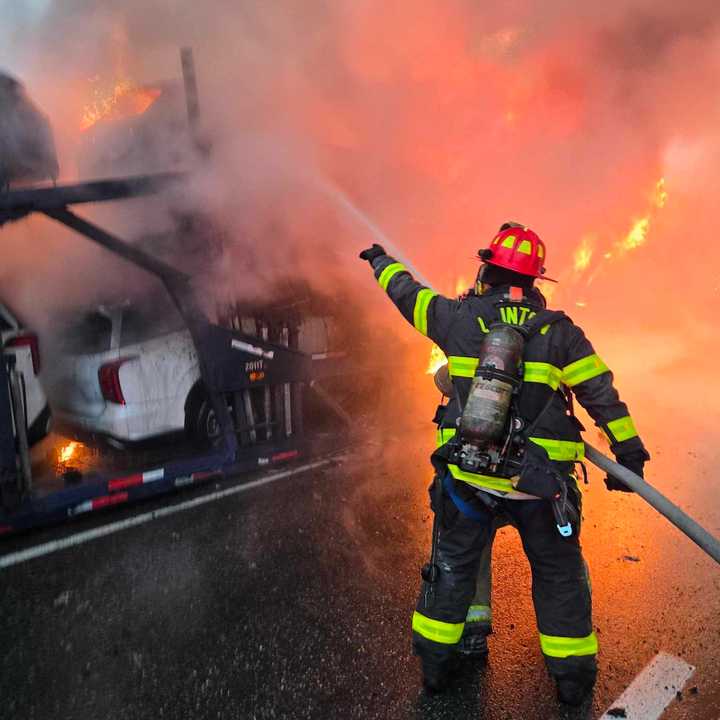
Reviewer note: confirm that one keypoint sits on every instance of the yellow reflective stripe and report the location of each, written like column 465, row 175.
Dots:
column 525, row 247
column 536, row 372
column 622, row 429
column 422, row 302
column 444, row 434
column 539, row 372
column 509, row 241
column 482, row 481
column 562, row 450
column 584, row 369
column 459, row 366
column 389, row 273
column 479, row 613
column 562, row 647
column 437, row 630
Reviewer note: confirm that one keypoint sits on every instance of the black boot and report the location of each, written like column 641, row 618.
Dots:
column 473, row 644
column 574, row 689
column 435, row 676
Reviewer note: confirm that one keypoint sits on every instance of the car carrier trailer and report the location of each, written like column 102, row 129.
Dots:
column 235, row 366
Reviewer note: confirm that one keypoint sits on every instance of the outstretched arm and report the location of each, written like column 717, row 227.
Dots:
column 430, row 313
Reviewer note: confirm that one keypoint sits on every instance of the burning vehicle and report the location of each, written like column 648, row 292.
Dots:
column 238, row 376
column 123, row 371
column 130, row 128
column 129, row 371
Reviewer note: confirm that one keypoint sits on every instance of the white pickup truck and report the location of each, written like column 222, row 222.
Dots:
column 130, row 372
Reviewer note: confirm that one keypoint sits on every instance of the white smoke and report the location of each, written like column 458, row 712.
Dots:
column 440, row 120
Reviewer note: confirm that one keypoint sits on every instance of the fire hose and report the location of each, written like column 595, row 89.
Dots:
column 681, row 520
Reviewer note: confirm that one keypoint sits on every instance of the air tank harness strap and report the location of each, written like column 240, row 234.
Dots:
column 538, row 321
column 559, row 502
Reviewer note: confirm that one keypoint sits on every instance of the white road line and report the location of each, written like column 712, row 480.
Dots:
column 82, row 537
column 653, row 689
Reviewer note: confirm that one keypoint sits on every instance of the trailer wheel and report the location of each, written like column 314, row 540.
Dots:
column 201, row 423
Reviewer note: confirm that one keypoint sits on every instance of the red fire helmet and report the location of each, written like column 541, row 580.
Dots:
column 518, row 249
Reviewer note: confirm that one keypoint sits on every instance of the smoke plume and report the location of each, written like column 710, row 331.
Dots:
column 595, row 124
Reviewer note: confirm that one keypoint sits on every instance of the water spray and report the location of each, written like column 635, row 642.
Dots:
column 380, row 237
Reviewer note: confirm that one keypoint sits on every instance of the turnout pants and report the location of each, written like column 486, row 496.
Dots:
column 560, row 583
column 479, row 615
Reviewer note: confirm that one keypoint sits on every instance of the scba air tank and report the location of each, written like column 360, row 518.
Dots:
column 484, row 418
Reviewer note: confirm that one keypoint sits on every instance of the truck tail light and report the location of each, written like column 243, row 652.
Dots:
column 30, row 341
column 109, row 379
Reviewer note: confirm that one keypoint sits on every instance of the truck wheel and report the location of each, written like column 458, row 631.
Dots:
column 201, row 424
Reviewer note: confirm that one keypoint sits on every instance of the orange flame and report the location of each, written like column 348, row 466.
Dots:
column 437, row 360
column 660, row 194
column 583, row 254
column 461, row 286
column 67, row 452
column 637, row 235
column 124, row 100
column 639, row 231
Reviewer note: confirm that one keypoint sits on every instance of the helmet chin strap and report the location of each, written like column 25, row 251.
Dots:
column 479, row 288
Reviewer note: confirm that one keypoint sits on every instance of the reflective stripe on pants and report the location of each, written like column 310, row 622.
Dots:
column 560, row 590
column 437, row 630
column 562, row 647
column 479, row 614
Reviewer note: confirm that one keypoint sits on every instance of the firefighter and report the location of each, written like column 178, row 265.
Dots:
column 541, row 499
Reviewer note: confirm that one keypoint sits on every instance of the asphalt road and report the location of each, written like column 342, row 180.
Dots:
column 292, row 600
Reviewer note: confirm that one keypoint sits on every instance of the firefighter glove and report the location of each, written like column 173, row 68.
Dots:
column 373, row 252
column 634, row 462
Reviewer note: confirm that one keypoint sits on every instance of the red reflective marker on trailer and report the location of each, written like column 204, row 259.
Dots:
column 97, row 503
column 288, row 455
column 137, row 479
